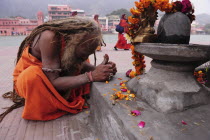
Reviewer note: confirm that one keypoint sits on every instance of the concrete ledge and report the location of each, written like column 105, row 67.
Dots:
column 113, row 122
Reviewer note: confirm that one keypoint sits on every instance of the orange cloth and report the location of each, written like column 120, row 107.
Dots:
column 42, row 101
column 98, row 48
column 122, row 42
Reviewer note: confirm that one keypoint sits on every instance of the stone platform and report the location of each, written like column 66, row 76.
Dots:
column 114, row 122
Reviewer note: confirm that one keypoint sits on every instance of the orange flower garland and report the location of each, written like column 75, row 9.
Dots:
column 135, row 22
column 138, row 63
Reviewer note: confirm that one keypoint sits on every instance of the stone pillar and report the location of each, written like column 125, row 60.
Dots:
column 170, row 86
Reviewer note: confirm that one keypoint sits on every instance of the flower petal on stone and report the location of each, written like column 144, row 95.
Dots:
column 128, row 72
column 123, row 85
column 114, row 89
column 183, row 122
column 135, row 113
column 141, row 124
column 124, row 90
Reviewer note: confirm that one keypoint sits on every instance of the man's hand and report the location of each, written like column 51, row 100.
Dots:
column 105, row 70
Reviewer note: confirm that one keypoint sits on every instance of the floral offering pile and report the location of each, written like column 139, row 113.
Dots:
column 123, row 93
column 200, row 76
column 135, row 21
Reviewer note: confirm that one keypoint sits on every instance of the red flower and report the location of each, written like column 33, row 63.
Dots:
column 177, row 6
column 186, row 6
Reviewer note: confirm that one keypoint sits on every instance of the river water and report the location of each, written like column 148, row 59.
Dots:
column 108, row 38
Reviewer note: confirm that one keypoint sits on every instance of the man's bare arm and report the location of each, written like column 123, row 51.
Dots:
column 50, row 59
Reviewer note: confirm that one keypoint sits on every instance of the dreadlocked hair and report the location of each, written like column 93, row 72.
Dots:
column 73, row 30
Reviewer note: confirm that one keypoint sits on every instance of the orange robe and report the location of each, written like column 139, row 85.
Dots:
column 42, row 101
column 122, row 42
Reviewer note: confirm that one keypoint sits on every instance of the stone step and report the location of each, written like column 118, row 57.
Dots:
column 114, row 122
column 68, row 127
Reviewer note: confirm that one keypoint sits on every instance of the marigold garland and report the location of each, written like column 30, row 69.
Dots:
column 135, row 22
column 138, row 63
column 183, row 6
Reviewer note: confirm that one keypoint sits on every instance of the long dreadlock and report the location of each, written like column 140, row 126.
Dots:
column 73, row 30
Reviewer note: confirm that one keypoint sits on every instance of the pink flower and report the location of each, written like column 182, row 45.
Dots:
column 141, row 124
column 186, row 6
column 183, row 122
column 135, row 113
column 124, row 90
column 128, row 72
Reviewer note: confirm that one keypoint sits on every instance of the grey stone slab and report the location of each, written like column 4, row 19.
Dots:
column 116, row 123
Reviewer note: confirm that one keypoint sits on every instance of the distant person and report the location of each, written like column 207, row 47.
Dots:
column 96, row 19
column 52, row 76
column 74, row 13
column 122, row 43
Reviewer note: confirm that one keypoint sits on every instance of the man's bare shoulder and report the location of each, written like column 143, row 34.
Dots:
column 47, row 35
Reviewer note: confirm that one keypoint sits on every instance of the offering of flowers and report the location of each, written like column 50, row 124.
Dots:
column 142, row 20
column 145, row 14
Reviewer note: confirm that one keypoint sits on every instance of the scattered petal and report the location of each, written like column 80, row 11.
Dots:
column 183, row 122
column 128, row 72
column 197, row 123
column 87, row 112
column 107, row 82
column 115, row 84
column 135, row 113
column 141, row 124
column 104, row 94
column 123, row 85
column 127, row 99
column 132, row 95
column 124, row 90
column 119, row 78
column 114, row 89
column 119, row 92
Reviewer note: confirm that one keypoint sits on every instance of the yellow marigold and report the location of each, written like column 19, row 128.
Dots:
column 132, row 74
column 140, row 6
column 135, row 12
column 200, row 72
column 133, row 20
column 146, row 3
column 123, row 85
column 132, row 95
column 132, row 47
column 114, row 89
